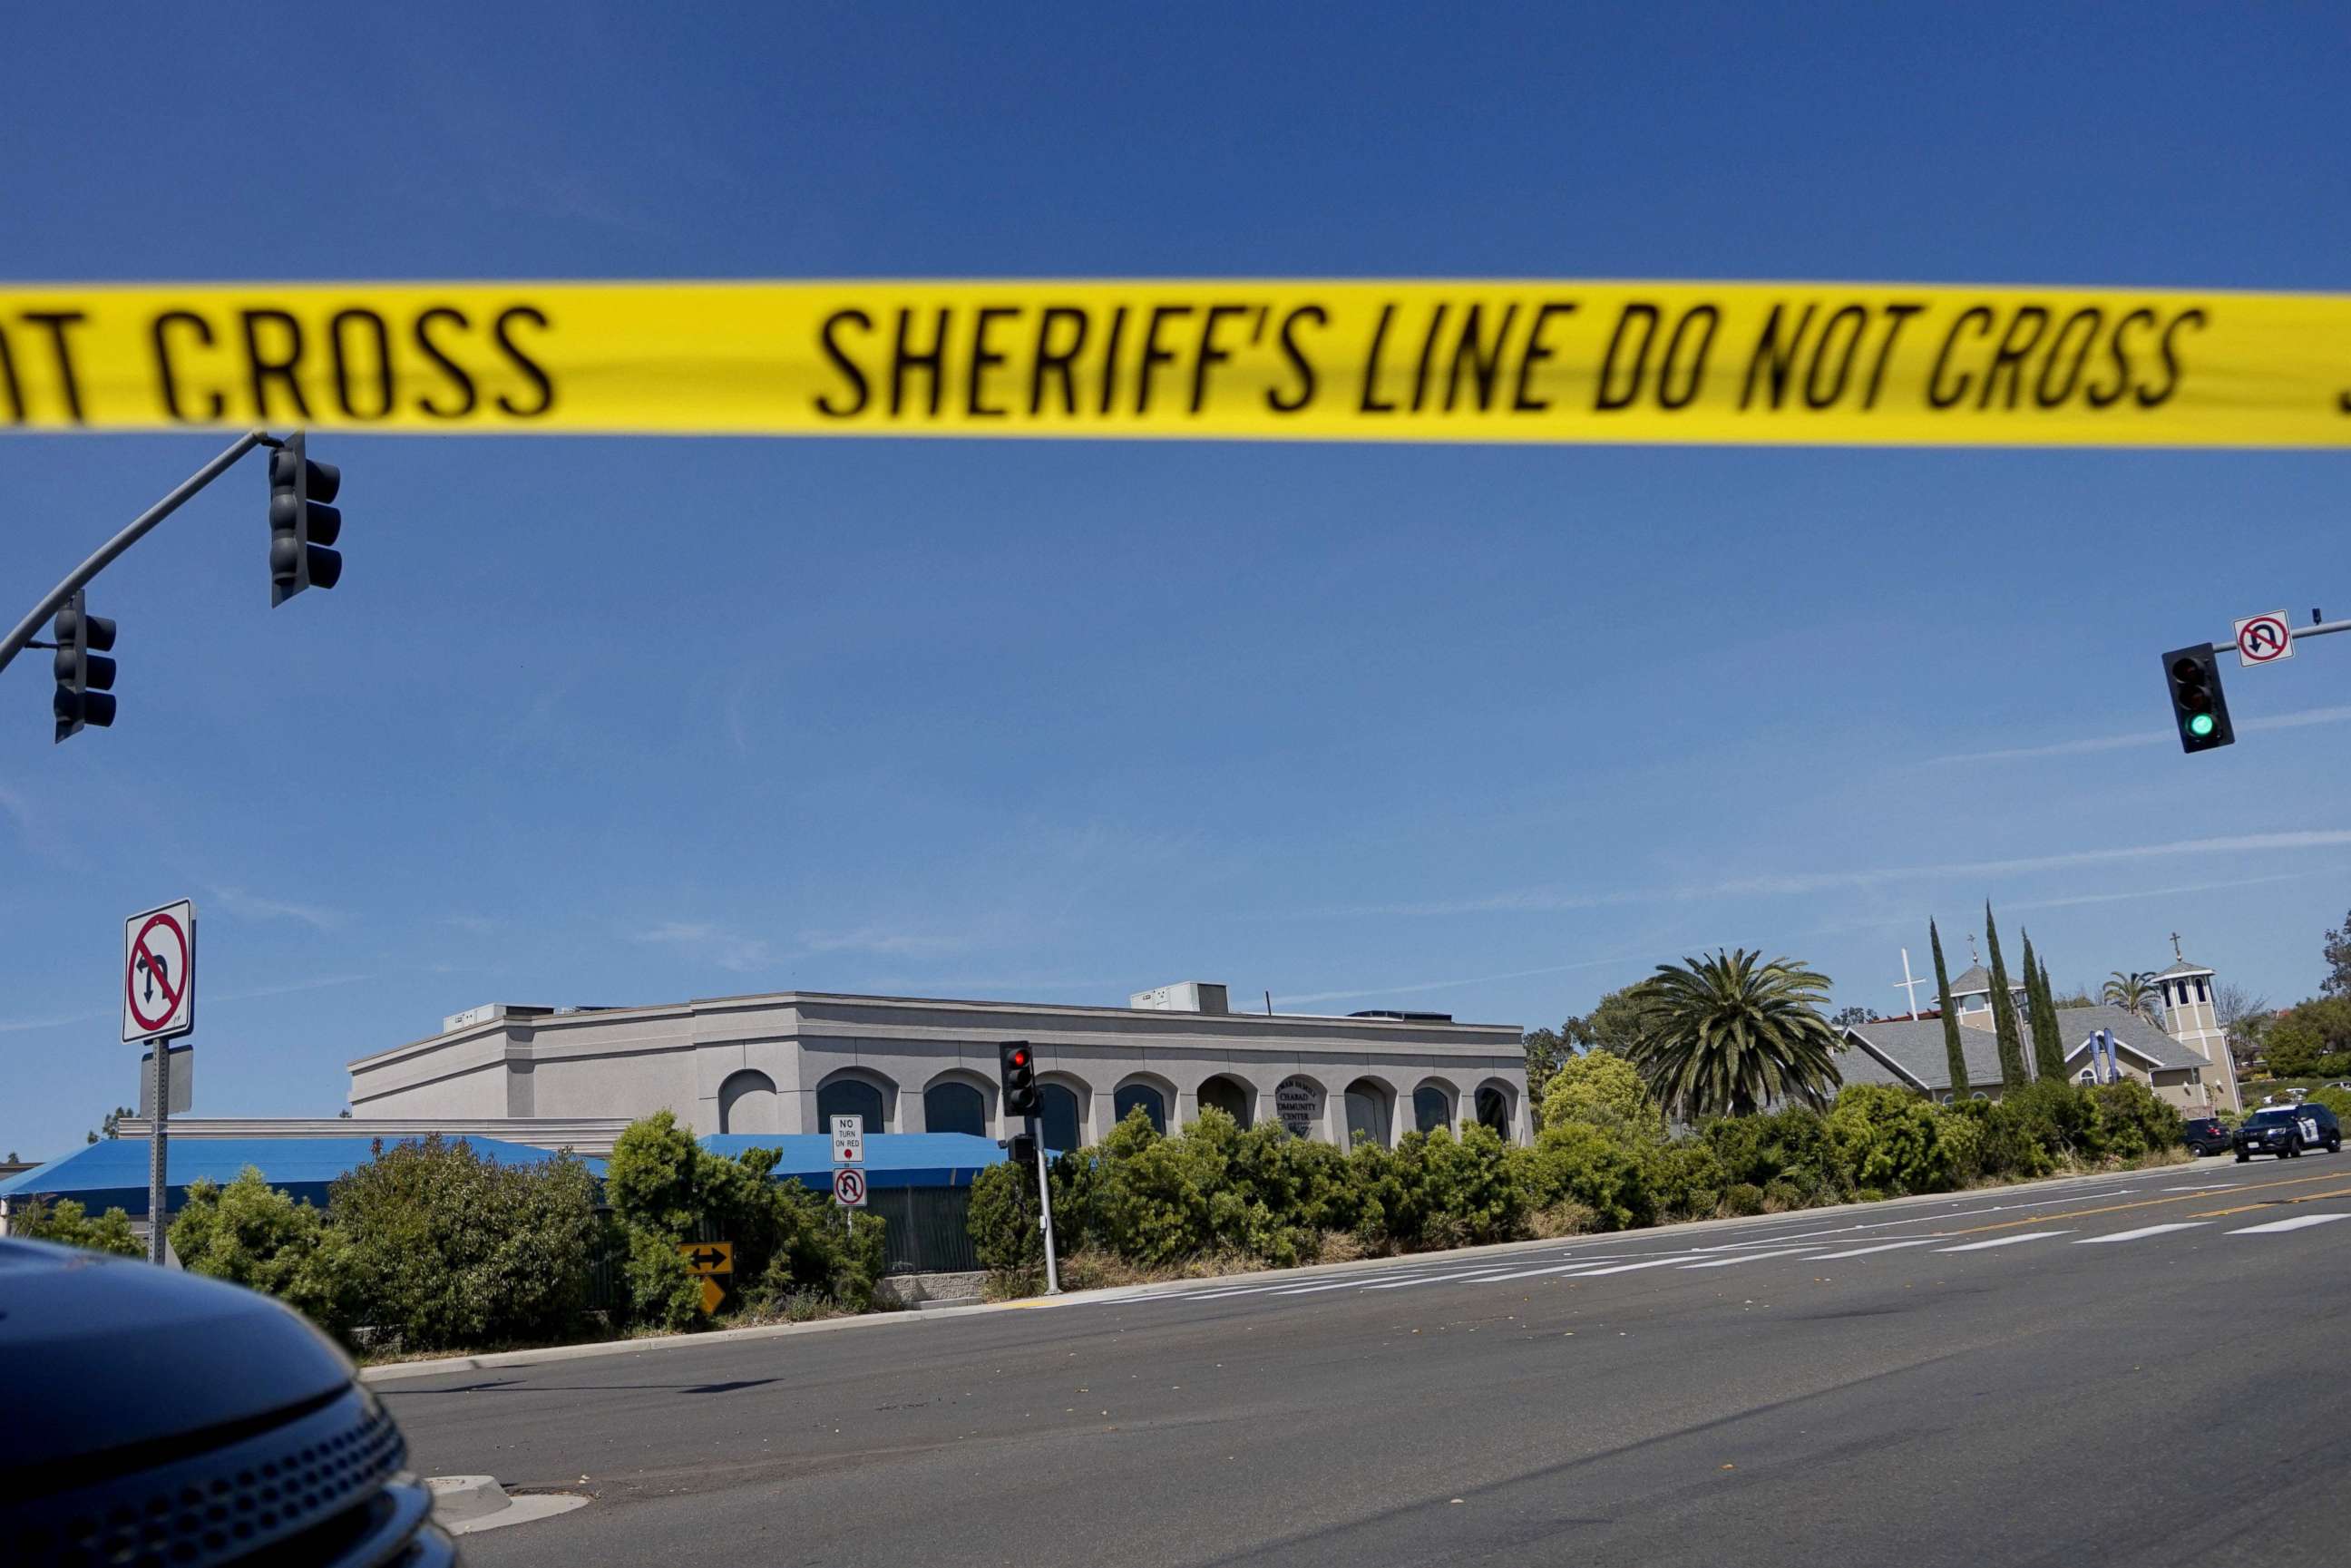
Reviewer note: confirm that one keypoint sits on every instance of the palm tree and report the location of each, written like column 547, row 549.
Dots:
column 2134, row 993
column 1732, row 1034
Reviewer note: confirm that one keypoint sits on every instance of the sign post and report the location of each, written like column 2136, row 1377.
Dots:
column 159, row 1005
column 849, row 1179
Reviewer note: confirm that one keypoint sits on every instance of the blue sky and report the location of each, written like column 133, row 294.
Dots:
column 1480, row 730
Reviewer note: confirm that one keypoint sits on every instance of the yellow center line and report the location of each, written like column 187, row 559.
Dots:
column 2142, row 1203
column 2270, row 1203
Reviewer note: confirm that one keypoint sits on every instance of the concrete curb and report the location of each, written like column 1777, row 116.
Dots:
column 392, row 1372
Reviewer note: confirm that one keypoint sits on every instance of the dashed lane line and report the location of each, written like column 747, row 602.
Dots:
column 2147, row 1203
column 1880, row 1247
column 2004, row 1241
column 2141, row 1234
column 1749, row 1257
column 2299, row 1222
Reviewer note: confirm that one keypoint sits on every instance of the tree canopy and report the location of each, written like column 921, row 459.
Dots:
column 1734, row 1034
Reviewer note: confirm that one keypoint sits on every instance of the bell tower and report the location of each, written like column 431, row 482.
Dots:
column 2191, row 1017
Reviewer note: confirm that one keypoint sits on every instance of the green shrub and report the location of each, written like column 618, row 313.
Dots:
column 2335, row 1099
column 1741, row 1198
column 1003, row 1220
column 1686, row 1179
column 2128, row 1121
column 255, row 1235
column 69, row 1224
column 660, row 1292
column 1783, row 1194
column 1435, row 1190
column 1790, row 1145
column 1886, row 1138
column 1606, row 1171
column 789, row 1240
column 449, row 1249
column 1602, row 1089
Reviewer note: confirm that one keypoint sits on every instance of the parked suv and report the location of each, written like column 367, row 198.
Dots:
column 2206, row 1135
column 2286, row 1130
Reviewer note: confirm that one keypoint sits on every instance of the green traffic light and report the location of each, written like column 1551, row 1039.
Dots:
column 2201, row 726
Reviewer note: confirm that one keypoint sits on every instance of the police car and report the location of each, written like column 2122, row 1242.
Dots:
column 2286, row 1130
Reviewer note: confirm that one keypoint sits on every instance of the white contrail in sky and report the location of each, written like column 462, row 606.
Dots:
column 1552, row 900
column 2091, row 744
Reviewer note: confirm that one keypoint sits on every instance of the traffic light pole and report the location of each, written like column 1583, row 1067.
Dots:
column 1044, row 1207
column 19, row 640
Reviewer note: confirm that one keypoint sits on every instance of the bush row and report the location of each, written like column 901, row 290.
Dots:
column 430, row 1247
column 1213, row 1189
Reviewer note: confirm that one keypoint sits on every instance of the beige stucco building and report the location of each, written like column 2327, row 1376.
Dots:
column 788, row 1062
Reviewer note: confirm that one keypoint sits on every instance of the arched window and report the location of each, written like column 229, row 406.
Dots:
column 953, row 1107
column 746, row 1103
column 1057, row 1114
column 2089, row 1075
column 1154, row 1105
column 1431, row 1108
column 849, row 1097
column 1367, row 1113
column 1494, row 1109
column 1230, row 1096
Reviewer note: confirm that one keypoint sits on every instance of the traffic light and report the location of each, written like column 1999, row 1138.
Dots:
column 2196, row 705
column 85, row 675
column 301, row 524
column 1018, row 1065
column 1021, row 1150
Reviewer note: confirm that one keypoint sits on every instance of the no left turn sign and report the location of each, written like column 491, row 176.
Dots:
column 159, row 973
column 2264, row 639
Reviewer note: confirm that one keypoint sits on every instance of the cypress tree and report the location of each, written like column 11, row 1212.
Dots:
column 2053, row 1055
column 2048, row 1049
column 1958, row 1059
column 2003, row 1012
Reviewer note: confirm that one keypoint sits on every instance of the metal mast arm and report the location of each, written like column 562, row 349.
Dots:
column 139, row 526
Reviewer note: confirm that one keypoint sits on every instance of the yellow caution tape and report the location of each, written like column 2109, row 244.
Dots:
column 1358, row 360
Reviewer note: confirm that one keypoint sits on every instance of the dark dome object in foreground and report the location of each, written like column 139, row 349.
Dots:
column 157, row 1417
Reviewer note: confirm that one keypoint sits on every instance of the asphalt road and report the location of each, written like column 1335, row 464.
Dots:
column 2117, row 1370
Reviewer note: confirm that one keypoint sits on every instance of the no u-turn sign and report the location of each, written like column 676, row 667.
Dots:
column 159, row 973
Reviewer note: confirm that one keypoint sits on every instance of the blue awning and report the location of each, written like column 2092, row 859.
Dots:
column 892, row 1159
column 112, row 1172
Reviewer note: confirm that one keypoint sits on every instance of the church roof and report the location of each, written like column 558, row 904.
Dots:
column 2181, row 966
column 1916, row 1053
column 1976, row 982
column 2132, row 1033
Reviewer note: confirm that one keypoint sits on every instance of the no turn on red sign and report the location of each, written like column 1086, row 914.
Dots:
column 159, row 973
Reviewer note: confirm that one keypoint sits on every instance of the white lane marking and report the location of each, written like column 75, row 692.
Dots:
column 1881, row 1247
column 1310, row 1290
column 2298, row 1222
column 2003, row 1241
column 2142, row 1233
column 1530, row 1274
column 1431, row 1280
column 1646, row 1263
column 1749, row 1257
